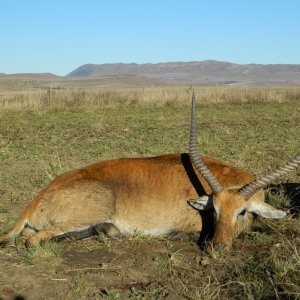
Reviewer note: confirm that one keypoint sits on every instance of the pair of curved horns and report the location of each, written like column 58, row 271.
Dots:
column 249, row 189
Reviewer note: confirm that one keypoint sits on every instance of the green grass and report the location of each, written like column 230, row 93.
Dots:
column 3, row 209
column 78, row 285
column 110, row 294
column 37, row 145
column 31, row 256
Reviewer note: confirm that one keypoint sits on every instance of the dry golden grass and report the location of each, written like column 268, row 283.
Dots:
column 110, row 97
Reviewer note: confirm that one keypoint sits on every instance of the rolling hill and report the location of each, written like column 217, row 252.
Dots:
column 197, row 72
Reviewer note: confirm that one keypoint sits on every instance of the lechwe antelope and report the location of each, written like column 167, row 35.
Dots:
column 151, row 196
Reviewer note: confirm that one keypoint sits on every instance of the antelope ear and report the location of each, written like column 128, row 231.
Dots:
column 266, row 211
column 202, row 203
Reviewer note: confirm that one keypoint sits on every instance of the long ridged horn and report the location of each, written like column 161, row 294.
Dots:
column 196, row 157
column 250, row 189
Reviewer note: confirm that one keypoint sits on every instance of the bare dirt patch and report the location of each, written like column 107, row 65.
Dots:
column 136, row 268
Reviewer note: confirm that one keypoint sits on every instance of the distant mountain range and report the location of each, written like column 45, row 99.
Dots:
column 30, row 75
column 194, row 72
column 197, row 72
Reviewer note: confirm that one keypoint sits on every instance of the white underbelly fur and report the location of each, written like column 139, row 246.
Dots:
column 128, row 229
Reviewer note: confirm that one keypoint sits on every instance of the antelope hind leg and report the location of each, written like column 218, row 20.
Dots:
column 46, row 235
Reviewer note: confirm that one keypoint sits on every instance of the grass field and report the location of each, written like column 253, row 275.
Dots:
column 45, row 134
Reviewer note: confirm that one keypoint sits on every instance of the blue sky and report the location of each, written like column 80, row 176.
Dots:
column 58, row 36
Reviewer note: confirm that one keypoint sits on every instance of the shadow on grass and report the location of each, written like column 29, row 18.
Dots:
column 291, row 191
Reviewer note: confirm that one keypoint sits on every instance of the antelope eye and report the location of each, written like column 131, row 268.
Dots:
column 243, row 212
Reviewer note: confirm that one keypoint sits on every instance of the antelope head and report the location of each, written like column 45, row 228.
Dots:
column 234, row 208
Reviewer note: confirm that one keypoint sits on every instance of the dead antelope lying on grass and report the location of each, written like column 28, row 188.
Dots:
column 149, row 196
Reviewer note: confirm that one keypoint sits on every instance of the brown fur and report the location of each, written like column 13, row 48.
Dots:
column 229, row 226
column 142, row 195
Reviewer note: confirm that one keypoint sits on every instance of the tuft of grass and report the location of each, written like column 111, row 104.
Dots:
column 104, row 242
column 257, row 238
column 162, row 261
column 78, row 285
column 110, row 293
column 174, row 255
column 153, row 292
column 171, row 258
column 6, row 223
column 3, row 209
column 33, row 254
column 50, row 249
column 214, row 253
